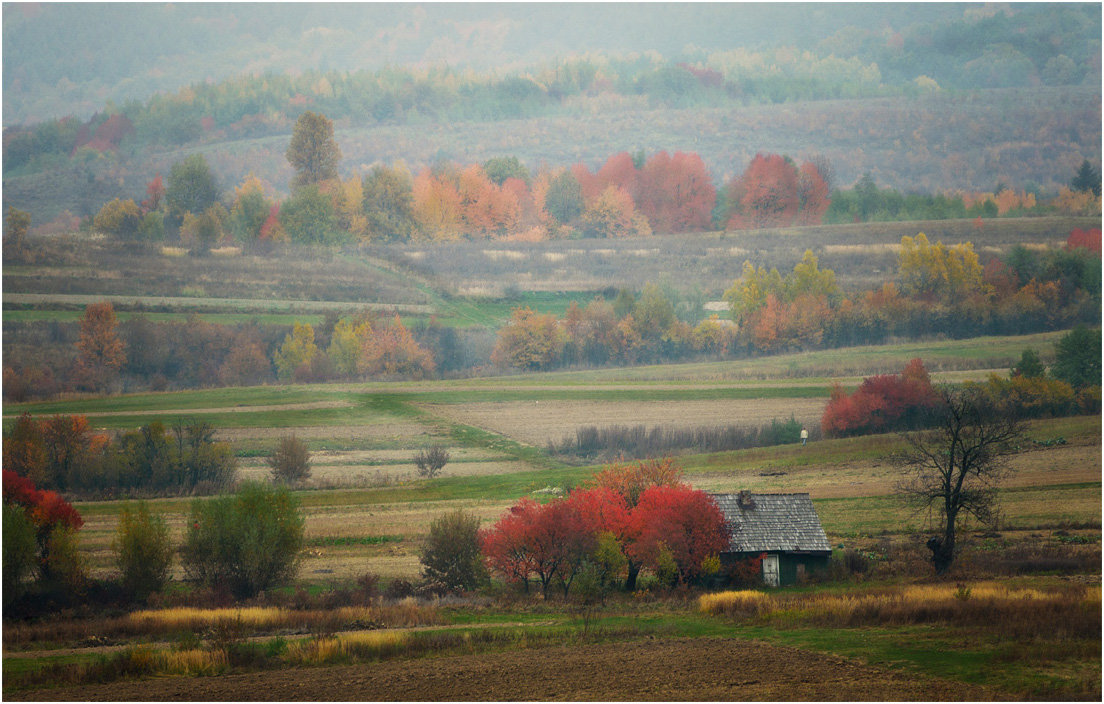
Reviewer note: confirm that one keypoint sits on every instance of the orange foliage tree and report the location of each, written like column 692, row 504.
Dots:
column 529, row 341
column 101, row 353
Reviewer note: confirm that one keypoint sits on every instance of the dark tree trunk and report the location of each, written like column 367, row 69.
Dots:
column 630, row 578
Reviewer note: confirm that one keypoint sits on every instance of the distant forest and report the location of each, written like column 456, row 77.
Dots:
column 72, row 59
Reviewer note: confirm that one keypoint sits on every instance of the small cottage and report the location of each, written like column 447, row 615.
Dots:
column 782, row 528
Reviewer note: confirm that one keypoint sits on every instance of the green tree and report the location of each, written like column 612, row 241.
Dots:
column 192, row 187
column 1029, row 366
column 653, row 314
column 389, row 203
column 143, row 551
column 564, row 200
column 1087, row 179
column 247, row 542
column 250, row 210
column 1077, row 357
column 308, row 217
column 313, row 153
column 20, row 551
column 500, row 168
column 451, row 555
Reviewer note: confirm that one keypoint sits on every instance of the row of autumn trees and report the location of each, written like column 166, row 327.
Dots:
column 629, row 517
column 196, row 353
column 629, row 195
column 63, row 453
column 938, row 290
column 909, row 401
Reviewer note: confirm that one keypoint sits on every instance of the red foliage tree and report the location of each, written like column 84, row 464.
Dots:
column 533, row 539
column 685, row 522
column 1088, row 239
column 631, row 479
column 765, row 195
column 676, row 193
column 47, row 509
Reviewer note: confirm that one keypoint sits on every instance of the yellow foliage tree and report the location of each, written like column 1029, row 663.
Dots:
column 936, row 271
column 297, row 351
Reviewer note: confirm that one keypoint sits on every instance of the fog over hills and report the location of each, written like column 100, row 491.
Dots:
column 71, row 58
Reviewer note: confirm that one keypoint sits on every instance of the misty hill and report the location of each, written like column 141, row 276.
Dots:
column 925, row 96
column 71, row 59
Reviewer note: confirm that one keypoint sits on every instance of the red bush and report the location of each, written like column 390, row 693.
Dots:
column 882, row 403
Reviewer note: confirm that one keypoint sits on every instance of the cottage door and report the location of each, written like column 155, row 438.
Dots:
column 770, row 570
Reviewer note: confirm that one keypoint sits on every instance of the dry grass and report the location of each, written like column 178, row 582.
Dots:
column 153, row 623
column 743, row 602
column 1072, row 611
column 537, row 423
column 363, row 646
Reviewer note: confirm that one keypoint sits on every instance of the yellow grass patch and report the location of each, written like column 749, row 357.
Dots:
column 319, row 651
column 743, row 601
column 252, row 617
column 190, row 662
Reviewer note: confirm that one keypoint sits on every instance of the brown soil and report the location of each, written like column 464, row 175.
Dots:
column 713, row 669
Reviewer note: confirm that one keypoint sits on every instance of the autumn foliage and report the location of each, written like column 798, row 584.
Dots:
column 775, row 192
column 881, row 404
column 654, row 520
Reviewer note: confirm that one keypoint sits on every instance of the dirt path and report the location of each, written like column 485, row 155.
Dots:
column 713, row 669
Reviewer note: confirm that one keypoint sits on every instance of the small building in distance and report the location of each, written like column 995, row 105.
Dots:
column 782, row 528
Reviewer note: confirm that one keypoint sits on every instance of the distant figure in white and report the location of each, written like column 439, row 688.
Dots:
column 804, row 435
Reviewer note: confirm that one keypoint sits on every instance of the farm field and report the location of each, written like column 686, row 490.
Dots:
column 468, row 284
column 367, row 512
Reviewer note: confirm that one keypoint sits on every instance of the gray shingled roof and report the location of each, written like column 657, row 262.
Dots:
column 785, row 522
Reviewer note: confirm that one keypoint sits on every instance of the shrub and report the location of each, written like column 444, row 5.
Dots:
column 399, row 588
column 63, row 564
column 247, row 542
column 882, row 403
column 143, row 552
column 20, row 550
column 451, row 555
column 290, row 462
column 430, row 461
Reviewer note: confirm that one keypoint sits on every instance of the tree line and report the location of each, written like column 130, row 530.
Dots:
column 1025, row 47
column 937, row 289
column 629, row 195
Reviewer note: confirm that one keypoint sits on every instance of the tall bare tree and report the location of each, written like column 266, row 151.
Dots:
column 953, row 467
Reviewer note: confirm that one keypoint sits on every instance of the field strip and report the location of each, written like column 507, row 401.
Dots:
column 165, row 645
column 310, row 406
column 196, row 303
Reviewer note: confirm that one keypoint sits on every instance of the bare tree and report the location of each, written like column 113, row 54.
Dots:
column 953, row 467
column 430, row 461
column 290, row 461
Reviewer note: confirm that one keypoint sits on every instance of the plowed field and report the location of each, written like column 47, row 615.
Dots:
column 714, row 669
